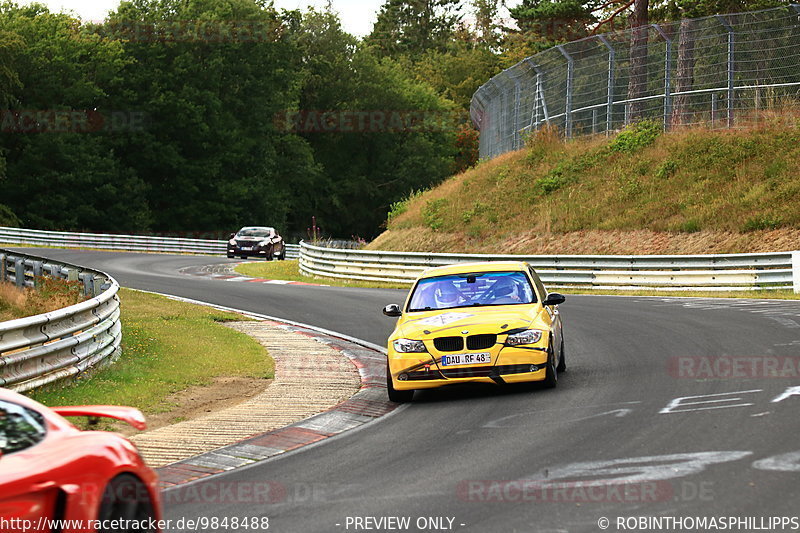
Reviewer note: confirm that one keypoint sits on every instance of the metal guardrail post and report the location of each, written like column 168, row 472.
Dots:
column 570, row 81
column 731, row 67
column 667, row 63
column 19, row 273
column 796, row 271
column 612, row 59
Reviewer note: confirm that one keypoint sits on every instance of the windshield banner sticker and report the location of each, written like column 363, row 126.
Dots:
column 444, row 319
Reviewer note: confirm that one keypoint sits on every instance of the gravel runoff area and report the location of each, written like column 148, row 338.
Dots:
column 323, row 385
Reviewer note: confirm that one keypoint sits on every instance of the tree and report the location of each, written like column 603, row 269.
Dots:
column 212, row 76
column 547, row 23
column 365, row 118
column 62, row 167
column 414, row 26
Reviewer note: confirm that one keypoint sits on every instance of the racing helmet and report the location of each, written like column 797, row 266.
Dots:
column 446, row 295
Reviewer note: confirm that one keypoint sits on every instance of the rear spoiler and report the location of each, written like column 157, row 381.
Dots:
column 132, row 416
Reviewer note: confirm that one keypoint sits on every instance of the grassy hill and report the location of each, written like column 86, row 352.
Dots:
column 641, row 191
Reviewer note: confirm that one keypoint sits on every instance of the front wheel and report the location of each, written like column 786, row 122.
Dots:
column 562, row 359
column 551, row 374
column 396, row 396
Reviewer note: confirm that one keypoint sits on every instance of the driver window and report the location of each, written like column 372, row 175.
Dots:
column 20, row 427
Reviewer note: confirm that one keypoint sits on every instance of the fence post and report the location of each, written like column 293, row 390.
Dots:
column 731, row 66
column 796, row 271
column 539, row 90
column 568, row 105
column 667, row 63
column 612, row 59
column 517, row 99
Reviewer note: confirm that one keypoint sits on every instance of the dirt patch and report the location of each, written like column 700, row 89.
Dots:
column 200, row 400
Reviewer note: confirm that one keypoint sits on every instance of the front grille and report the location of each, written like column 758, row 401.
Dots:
column 467, row 372
column 448, row 344
column 485, row 371
column 423, row 375
column 481, row 342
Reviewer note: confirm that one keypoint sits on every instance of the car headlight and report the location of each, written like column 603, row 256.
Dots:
column 529, row 336
column 408, row 346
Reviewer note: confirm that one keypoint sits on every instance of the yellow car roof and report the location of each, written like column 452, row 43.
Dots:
column 466, row 268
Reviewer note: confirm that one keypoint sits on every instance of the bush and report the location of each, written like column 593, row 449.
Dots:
column 762, row 222
column 8, row 218
column 636, row 136
column 432, row 213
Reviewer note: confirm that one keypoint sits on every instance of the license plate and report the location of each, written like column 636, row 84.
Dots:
column 466, row 359
column 247, row 248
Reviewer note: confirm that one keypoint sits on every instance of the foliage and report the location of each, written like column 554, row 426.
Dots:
column 8, row 218
column 432, row 213
column 636, row 136
column 414, row 26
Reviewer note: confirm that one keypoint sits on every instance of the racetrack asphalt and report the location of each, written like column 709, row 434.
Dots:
column 631, row 431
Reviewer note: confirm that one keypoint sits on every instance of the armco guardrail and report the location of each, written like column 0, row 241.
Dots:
column 41, row 349
column 674, row 272
column 139, row 243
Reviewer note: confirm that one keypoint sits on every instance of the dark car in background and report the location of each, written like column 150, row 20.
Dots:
column 257, row 241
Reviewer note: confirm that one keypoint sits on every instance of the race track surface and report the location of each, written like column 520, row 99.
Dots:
column 671, row 408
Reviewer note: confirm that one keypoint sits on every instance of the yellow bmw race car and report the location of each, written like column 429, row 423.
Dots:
column 490, row 322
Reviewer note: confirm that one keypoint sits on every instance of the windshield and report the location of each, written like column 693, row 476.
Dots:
column 473, row 289
column 255, row 232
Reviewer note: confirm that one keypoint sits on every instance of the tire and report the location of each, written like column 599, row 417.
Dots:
column 243, row 256
column 396, row 396
column 562, row 360
column 282, row 257
column 125, row 498
column 551, row 374
column 230, row 256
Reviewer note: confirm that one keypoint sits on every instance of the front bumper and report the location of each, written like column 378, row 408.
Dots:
column 255, row 252
column 412, row 371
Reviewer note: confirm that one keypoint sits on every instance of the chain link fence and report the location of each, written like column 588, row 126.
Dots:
column 722, row 71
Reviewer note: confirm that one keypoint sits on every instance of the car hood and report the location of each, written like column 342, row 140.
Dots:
column 476, row 320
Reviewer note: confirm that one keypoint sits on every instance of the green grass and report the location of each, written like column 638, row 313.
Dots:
column 724, row 186
column 168, row 346
column 289, row 271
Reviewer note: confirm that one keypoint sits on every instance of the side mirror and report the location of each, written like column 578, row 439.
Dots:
column 231, row 236
column 392, row 310
column 554, row 298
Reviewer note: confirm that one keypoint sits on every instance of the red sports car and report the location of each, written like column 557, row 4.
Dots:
column 54, row 477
